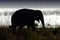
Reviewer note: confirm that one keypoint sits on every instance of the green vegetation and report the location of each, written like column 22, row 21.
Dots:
column 38, row 34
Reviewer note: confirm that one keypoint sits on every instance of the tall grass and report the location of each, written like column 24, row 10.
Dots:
column 28, row 34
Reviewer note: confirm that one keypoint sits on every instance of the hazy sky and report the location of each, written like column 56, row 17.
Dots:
column 29, row 3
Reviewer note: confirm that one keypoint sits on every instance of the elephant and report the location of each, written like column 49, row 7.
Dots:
column 27, row 17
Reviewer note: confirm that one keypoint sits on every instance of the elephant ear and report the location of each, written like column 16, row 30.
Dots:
column 38, row 15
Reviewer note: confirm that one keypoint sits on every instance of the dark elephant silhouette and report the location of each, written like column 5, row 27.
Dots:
column 27, row 17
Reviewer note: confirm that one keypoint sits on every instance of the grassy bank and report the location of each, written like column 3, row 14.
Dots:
column 38, row 34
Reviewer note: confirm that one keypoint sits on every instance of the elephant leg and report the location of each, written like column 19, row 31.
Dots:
column 14, row 29
column 20, row 28
column 21, row 32
column 42, row 21
column 31, row 25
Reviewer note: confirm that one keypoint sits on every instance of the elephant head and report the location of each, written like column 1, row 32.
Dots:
column 39, row 16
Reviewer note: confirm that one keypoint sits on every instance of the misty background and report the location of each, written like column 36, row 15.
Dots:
column 51, row 16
